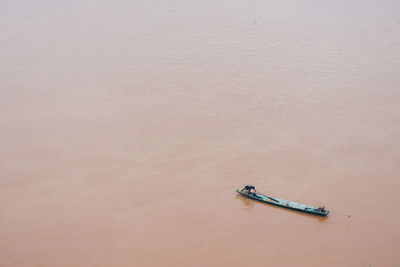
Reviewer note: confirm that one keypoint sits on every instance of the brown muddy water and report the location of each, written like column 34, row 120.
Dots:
column 126, row 127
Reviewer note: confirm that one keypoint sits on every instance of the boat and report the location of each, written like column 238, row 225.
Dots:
column 321, row 211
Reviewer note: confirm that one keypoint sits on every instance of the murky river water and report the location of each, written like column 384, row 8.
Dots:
column 126, row 126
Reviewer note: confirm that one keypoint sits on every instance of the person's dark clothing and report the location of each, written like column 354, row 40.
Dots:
column 249, row 187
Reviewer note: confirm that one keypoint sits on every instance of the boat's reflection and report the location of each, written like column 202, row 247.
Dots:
column 249, row 204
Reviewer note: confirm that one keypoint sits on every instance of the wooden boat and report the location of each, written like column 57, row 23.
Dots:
column 321, row 211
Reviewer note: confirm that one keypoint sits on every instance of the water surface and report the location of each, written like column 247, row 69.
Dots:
column 126, row 127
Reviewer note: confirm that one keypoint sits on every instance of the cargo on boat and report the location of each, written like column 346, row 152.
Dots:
column 321, row 211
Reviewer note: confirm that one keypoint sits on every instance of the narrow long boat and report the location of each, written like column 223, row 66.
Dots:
column 321, row 211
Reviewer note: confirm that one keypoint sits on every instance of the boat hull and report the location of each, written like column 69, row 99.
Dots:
column 284, row 203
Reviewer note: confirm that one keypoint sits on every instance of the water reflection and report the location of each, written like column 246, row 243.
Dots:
column 248, row 203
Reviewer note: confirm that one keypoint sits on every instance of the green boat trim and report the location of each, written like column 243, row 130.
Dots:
column 321, row 211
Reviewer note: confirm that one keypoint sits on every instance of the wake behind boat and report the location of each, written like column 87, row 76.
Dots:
column 247, row 191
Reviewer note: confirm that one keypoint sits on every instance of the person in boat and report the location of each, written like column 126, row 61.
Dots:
column 248, row 188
